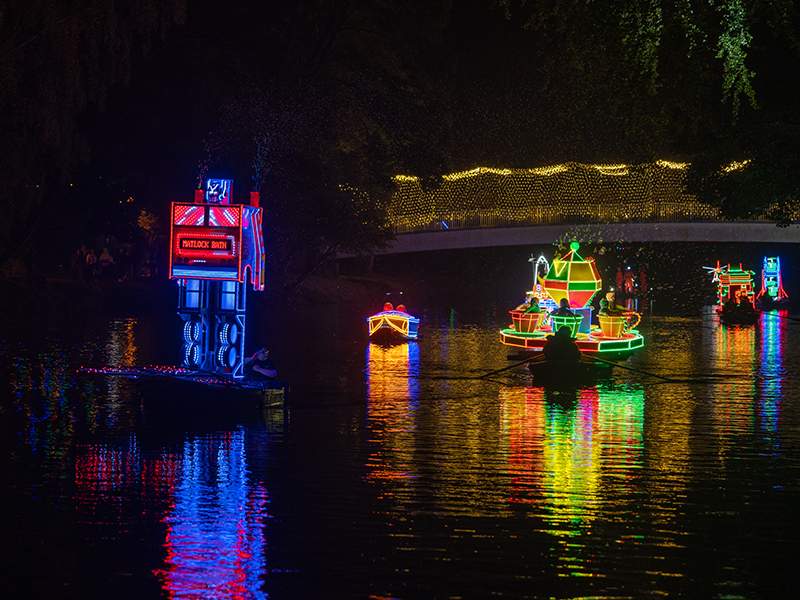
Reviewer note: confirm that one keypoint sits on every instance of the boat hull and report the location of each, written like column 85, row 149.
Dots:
column 592, row 344
column 563, row 374
column 738, row 318
column 199, row 387
column 392, row 326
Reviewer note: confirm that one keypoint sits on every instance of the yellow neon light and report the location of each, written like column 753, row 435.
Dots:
column 397, row 323
column 673, row 165
column 556, row 194
column 736, row 165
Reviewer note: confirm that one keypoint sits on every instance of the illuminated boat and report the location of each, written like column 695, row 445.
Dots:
column 735, row 295
column 392, row 325
column 771, row 292
column 575, row 279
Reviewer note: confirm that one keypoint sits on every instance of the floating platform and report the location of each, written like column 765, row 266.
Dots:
column 592, row 344
column 195, row 385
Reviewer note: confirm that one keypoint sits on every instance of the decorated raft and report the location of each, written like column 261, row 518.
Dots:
column 216, row 249
column 575, row 279
column 197, row 384
column 392, row 325
column 567, row 374
column 735, row 294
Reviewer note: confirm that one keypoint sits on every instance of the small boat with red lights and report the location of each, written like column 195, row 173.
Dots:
column 392, row 325
column 575, row 280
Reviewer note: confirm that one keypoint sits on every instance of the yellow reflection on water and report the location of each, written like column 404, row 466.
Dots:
column 733, row 410
column 392, row 399
column 120, row 351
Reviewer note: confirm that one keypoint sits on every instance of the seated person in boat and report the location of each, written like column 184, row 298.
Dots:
column 561, row 346
column 534, row 306
column 530, row 302
column 744, row 303
column 614, row 309
column 259, row 367
column 563, row 309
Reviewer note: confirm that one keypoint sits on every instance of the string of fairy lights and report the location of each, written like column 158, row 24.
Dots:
column 565, row 193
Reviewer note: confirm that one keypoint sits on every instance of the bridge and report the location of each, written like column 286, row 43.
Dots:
column 591, row 203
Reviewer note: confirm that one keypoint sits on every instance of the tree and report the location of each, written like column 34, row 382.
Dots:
column 58, row 58
column 707, row 80
column 325, row 107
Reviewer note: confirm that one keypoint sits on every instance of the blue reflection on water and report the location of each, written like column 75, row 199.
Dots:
column 771, row 369
column 215, row 537
column 215, row 540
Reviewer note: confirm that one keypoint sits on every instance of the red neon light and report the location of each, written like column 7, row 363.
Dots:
column 189, row 215
column 224, row 216
column 205, row 244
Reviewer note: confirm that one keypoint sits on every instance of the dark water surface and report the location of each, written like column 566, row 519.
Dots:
column 396, row 473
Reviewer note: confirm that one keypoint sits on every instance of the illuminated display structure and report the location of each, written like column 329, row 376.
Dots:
column 393, row 325
column 732, row 283
column 577, row 280
column 215, row 248
column 771, row 282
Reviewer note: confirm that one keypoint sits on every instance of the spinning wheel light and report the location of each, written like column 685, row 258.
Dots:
column 191, row 355
column 228, row 333
column 192, row 331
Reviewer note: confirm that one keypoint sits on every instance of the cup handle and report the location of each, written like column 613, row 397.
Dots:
column 638, row 319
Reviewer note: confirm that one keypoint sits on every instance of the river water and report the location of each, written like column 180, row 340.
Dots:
column 399, row 473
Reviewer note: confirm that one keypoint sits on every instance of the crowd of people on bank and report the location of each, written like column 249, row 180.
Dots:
column 115, row 262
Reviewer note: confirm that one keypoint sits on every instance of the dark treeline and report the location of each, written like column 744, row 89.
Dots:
column 111, row 111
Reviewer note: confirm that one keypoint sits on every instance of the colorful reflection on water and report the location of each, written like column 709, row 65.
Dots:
column 772, row 371
column 213, row 510
column 438, row 482
column 567, row 452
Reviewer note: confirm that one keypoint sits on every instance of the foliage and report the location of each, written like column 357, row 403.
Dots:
column 326, row 108
column 150, row 226
column 761, row 183
column 58, row 57
column 663, row 68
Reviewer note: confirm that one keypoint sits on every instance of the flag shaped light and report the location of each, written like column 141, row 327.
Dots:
column 574, row 278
